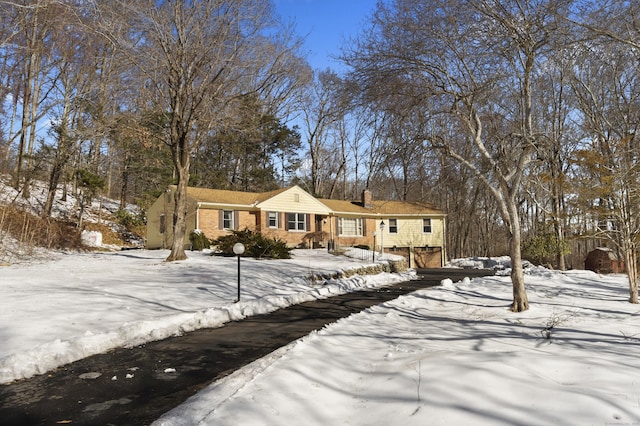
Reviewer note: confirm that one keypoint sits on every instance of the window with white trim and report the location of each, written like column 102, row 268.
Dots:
column 296, row 222
column 272, row 219
column 227, row 219
column 393, row 226
column 426, row 226
column 350, row 227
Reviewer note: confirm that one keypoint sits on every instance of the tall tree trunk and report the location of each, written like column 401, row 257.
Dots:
column 62, row 155
column 556, row 208
column 34, row 118
column 60, row 161
column 12, row 135
column 631, row 260
column 559, row 231
column 179, row 220
column 24, row 125
column 54, row 179
column 520, row 299
column 180, row 151
column 124, row 185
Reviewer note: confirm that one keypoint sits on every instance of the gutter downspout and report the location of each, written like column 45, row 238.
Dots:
column 197, row 225
column 444, row 241
column 332, row 243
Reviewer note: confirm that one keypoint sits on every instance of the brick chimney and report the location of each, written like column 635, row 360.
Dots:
column 367, row 199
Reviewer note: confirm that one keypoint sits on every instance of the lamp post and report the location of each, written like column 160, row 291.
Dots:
column 382, row 225
column 238, row 249
column 375, row 234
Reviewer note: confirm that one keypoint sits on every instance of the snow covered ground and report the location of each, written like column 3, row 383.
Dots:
column 443, row 356
column 75, row 305
column 452, row 355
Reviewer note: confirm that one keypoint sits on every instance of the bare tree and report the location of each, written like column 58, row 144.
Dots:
column 474, row 61
column 31, row 54
column 359, row 141
column 74, row 67
column 403, row 150
column 545, row 202
column 607, row 85
column 321, row 111
column 195, row 58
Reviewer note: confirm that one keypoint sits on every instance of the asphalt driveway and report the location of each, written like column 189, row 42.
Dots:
column 163, row 374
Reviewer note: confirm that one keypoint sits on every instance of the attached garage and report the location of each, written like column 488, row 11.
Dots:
column 421, row 258
column 428, row 257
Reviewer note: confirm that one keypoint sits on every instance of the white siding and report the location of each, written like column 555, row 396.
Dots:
column 410, row 233
column 294, row 200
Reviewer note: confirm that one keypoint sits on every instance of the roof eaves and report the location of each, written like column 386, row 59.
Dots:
column 208, row 204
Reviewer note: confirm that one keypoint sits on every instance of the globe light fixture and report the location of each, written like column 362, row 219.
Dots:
column 238, row 249
column 382, row 226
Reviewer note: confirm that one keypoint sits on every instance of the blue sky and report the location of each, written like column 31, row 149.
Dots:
column 325, row 24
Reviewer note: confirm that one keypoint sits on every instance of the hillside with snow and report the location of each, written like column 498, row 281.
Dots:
column 23, row 231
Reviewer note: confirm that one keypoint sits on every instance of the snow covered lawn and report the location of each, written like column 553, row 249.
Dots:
column 450, row 355
column 76, row 305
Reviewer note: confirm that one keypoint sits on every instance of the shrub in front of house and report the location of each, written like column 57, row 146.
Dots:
column 256, row 245
column 198, row 240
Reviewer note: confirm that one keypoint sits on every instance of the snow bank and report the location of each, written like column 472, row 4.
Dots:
column 84, row 304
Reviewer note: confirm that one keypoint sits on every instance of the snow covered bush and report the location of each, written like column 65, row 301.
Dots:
column 199, row 241
column 256, row 245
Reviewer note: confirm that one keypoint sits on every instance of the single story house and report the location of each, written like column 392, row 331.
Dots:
column 415, row 230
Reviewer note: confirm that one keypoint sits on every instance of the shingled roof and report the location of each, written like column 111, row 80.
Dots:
column 223, row 196
column 378, row 207
column 382, row 208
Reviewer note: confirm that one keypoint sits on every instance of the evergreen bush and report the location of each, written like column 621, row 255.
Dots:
column 199, row 241
column 541, row 249
column 256, row 245
column 128, row 219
